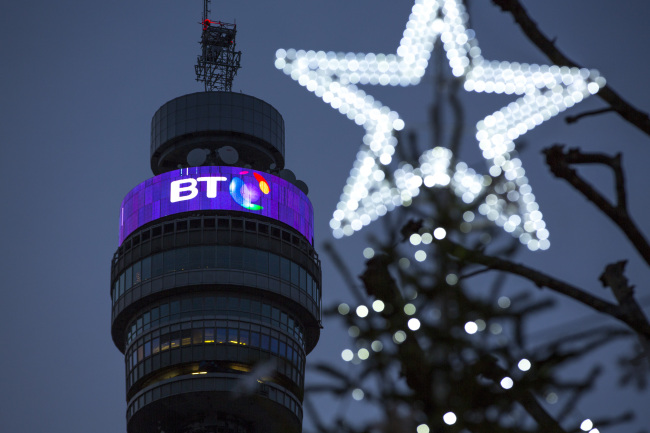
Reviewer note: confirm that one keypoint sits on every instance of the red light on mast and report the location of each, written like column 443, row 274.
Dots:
column 206, row 24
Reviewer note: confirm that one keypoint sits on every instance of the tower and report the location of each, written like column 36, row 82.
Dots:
column 215, row 284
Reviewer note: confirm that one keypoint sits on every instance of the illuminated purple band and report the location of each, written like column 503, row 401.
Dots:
column 152, row 198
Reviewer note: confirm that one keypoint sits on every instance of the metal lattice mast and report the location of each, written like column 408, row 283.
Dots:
column 218, row 63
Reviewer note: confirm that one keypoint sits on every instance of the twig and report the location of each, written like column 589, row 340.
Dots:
column 574, row 119
column 614, row 278
column 559, row 162
column 547, row 46
column 526, row 398
column 473, row 274
column 542, row 280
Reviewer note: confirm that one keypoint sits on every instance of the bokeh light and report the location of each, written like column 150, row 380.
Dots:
column 586, row 425
column 363, row 354
column 377, row 346
column 449, row 418
column 506, row 383
column 471, row 327
column 362, row 311
column 524, row 364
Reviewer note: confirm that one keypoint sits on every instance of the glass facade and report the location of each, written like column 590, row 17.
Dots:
column 216, row 257
column 162, row 348
column 202, row 384
column 217, row 111
column 214, row 307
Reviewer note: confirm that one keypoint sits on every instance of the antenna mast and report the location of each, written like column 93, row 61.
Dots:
column 219, row 62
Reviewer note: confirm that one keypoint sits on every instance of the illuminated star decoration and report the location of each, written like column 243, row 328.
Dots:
column 544, row 92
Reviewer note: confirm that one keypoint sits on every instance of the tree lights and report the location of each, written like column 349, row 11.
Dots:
column 544, row 91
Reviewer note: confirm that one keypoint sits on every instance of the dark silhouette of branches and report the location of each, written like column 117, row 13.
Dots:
column 436, row 345
column 560, row 162
column 541, row 279
column 626, row 110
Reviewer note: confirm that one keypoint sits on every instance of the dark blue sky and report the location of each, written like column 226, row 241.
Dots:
column 81, row 80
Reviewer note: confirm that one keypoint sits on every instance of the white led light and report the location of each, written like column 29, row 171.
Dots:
column 399, row 337
column 543, row 92
column 524, row 365
column 363, row 354
column 586, row 425
column 506, row 383
column 471, row 327
column 449, row 418
column 413, row 324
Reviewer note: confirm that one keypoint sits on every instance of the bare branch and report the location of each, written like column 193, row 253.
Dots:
column 542, row 280
column 574, row 119
column 547, row 46
column 559, row 162
column 614, row 278
column 526, row 398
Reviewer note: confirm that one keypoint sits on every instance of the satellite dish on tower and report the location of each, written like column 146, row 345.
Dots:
column 302, row 186
column 287, row 175
column 228, row 154
column 196, row 157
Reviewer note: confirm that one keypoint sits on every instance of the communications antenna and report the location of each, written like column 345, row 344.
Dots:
column 219, row 62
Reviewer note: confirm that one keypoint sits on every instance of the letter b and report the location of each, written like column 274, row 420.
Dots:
column 177, row 189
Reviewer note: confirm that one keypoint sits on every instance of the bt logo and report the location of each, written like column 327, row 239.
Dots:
column 244, row 194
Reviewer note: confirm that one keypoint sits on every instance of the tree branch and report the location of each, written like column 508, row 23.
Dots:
column 542, row 280
column 614, row 278
column 559, row 162
column 574, row 119
column 547, row 46
column 526, row 398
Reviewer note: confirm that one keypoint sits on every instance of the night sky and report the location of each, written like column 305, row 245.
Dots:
column 81, row 81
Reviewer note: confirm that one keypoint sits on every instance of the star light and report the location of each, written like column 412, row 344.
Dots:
column 544, row 91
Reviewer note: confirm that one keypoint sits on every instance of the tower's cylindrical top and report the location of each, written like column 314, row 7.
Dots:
column 227, row 129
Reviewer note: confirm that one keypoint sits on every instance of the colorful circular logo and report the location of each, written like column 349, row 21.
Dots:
column 245, row 195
